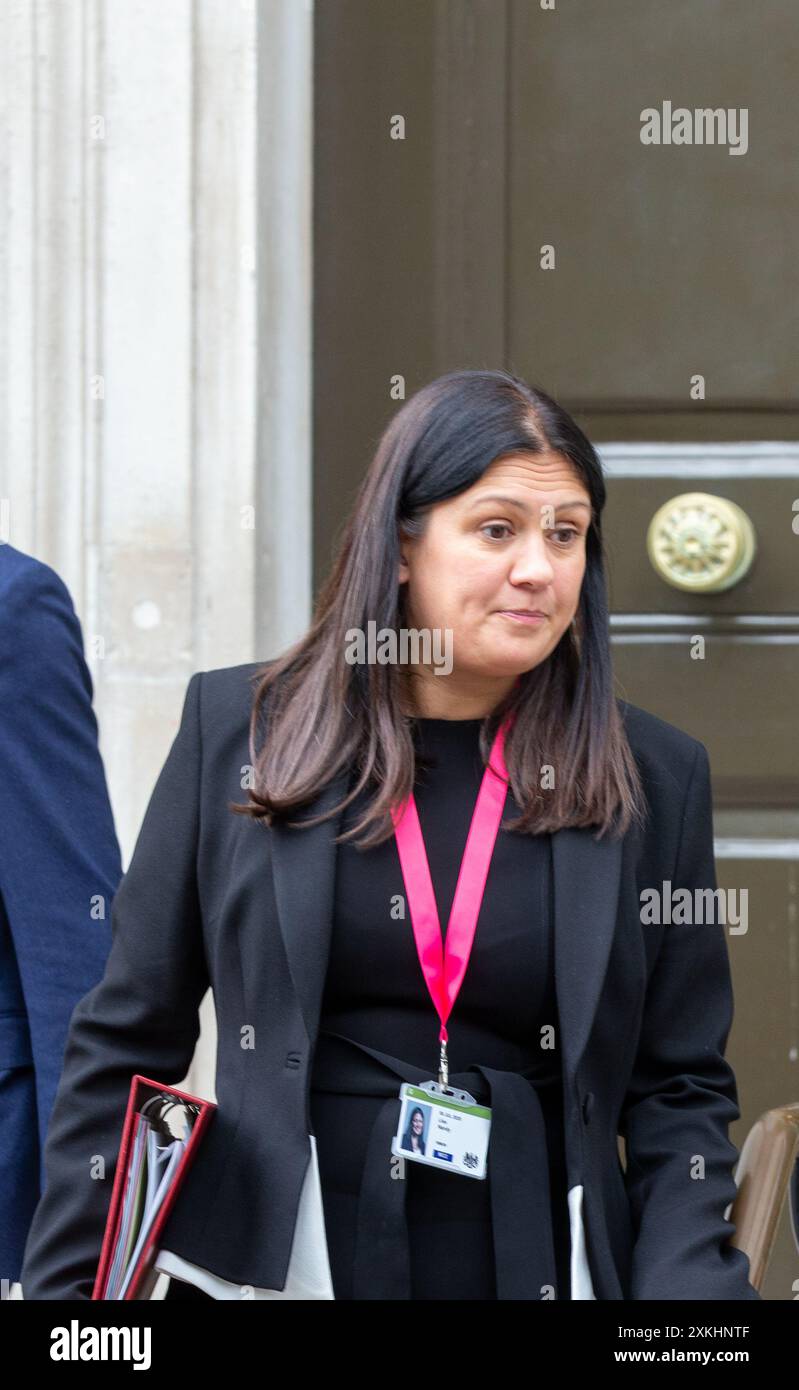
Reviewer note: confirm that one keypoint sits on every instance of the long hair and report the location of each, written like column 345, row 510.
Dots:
column 407, row 1138
column 315, row 714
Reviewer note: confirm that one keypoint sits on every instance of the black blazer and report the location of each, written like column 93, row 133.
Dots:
column 212, row 897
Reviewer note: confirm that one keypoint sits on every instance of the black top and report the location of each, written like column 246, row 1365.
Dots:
column 375, row 994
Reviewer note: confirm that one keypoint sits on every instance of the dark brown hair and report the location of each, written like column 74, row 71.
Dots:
column 317, row 714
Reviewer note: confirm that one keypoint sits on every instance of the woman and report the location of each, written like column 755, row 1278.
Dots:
column 413, row 1138
column 320, row 914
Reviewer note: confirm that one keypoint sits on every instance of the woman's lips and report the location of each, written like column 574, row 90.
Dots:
column 530, row 618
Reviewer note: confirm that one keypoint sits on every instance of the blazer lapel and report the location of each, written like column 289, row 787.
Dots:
column 303, row 868
column 587, row 874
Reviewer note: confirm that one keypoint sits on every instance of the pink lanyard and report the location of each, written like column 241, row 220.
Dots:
column 444, row 962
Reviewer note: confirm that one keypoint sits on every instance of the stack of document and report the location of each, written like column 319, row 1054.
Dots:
column 160, row 1136
column 153, row 1163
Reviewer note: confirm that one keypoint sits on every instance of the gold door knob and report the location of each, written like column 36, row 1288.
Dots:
column 701, row 543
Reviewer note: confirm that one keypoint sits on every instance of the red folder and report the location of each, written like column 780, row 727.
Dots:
column 142, row 1092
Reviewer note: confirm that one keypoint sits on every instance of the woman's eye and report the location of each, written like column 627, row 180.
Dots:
column 568, row 532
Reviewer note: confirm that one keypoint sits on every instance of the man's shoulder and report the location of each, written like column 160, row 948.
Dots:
column 26, row 584
column 40, row 631
column 18, row 564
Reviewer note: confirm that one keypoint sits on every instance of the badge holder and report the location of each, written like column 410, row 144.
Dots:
column 442, row 1126
column 451, row 1093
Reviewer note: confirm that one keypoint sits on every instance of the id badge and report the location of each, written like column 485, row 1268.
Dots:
column 446, row 1129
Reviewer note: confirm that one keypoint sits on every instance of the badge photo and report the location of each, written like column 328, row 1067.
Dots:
column 447, row 1131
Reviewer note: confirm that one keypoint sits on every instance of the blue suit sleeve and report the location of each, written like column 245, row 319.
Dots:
column 59, row 857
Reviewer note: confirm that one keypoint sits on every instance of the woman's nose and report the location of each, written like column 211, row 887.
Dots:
column 532, row 562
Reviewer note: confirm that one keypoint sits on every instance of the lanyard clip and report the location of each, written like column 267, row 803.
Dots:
column 443, row 1067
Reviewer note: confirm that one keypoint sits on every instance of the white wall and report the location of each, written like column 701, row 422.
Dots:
column 155, row 301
